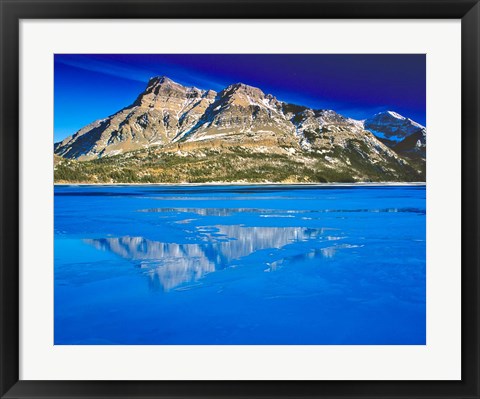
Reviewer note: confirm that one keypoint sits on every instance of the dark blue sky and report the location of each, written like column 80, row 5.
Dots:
column 90, row 87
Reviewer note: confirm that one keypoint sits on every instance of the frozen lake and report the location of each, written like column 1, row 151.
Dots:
column 154, row 265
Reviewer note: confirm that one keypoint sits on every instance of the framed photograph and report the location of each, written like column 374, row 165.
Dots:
column 240, row 199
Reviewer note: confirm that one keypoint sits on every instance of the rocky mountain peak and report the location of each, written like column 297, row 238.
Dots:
column 242, row 87
column 161, row 90
column 242, row 94
column 157, row 82
column 160, row 79
column 163, row 82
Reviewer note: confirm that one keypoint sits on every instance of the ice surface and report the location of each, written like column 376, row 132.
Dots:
column 240, row 265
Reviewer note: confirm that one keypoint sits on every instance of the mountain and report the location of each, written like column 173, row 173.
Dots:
column 159, row 115
column 391, row 127
column 413, row 146
column 174, row 133
column 406, row 137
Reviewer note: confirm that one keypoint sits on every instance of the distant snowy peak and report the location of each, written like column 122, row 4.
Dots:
column 392, row 114
column 402, row 118
column 392, row 127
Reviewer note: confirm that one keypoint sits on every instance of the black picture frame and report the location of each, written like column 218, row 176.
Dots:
column 13, row 11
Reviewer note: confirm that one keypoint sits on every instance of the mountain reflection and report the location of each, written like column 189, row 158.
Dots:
column 170, row 265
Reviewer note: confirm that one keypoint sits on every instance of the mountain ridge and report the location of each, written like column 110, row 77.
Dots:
column 170, row 119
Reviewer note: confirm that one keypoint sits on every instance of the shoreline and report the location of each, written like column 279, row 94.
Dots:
column 357, row 184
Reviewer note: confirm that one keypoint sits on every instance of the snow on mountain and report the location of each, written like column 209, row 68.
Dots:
column 391, row 127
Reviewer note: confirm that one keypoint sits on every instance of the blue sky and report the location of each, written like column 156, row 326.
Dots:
column 93, row 86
